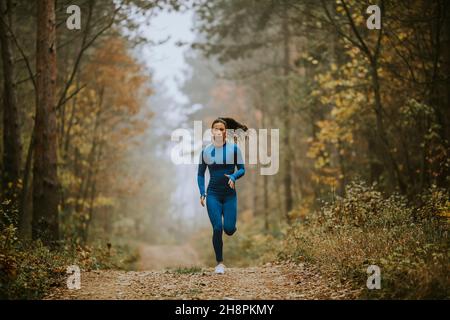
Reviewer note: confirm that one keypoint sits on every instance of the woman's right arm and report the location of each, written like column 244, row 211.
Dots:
column 201, row 177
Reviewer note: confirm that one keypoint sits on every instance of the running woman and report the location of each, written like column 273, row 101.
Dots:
column 221, row 158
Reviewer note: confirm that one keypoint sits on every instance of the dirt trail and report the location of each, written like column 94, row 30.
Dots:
column 158, row 257
column 271, row 281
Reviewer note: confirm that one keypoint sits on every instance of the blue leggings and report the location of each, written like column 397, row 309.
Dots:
column 217, row 206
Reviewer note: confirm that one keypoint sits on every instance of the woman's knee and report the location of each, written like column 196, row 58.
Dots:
column 229, row 231
column 217, row 229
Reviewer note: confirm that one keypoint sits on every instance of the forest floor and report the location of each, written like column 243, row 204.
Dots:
column 175, row 272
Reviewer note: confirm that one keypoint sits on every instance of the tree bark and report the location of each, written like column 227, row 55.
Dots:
column 12, row 146
column 391, row 164
column 287, row 115
column 265, row 179
column 25, row 214
column 45, row 179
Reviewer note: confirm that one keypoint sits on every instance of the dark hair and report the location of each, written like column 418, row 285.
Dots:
column 230, row 123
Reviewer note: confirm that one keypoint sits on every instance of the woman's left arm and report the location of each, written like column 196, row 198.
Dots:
column 239, row 164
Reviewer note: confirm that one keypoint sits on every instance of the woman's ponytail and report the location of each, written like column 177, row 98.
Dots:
column 233, row 124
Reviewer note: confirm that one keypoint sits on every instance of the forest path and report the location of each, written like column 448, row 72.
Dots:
column 158, row 257
column 183, row 278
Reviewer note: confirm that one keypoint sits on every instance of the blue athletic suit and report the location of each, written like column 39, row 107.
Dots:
column 221, row 199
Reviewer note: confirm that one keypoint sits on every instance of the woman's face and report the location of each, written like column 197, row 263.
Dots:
column 219, row 133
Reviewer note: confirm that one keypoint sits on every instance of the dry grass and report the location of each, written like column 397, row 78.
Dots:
column 409, row 244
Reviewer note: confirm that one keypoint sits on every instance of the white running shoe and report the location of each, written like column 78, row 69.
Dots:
column 220, row 269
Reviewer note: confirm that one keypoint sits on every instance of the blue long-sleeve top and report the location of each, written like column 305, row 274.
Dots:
column 220, row 161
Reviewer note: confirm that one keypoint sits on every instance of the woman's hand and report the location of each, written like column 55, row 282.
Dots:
column 202, row 200
column 230, row 181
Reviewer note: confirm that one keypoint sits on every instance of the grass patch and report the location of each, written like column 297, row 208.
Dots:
column 187, row 270
column 408, row 242
column 28, row 269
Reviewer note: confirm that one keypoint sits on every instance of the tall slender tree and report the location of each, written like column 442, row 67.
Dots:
column 45, row 180
column 12, row 147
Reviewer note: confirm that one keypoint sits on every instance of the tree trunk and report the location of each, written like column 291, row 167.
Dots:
column 266, row 203
column 25, row 213
column 12, row 147
column 287, row 115
column 265, row 179
column 392, row 168
column 439, row 86
column 45, row 179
